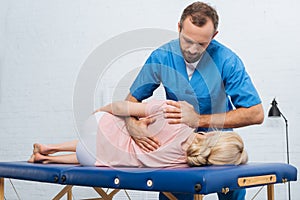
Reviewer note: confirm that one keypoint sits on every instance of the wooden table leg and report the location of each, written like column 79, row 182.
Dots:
column 198, row 197
column 169, row 195
column 270, row 190
column 65, row 190
column 1, row 188
column 69, row 195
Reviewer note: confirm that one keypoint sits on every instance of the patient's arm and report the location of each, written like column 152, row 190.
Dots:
column 125, row 108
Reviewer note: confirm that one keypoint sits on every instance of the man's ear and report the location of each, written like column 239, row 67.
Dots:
column 179, row 27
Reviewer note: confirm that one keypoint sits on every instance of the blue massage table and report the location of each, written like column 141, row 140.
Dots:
column 198, row 180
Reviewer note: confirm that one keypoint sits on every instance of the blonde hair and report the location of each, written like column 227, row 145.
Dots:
column 217, row 148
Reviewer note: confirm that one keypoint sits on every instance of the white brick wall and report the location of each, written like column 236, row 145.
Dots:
column 44, row 44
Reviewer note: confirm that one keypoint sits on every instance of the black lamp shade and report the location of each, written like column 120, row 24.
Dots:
column 274, row 110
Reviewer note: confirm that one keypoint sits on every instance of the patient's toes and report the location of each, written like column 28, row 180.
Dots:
column 36, row 148
column 31, row 159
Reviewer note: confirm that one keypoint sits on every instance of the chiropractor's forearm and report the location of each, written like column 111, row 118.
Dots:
column 233, row 119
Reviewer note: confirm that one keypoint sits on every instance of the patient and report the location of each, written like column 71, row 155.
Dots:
column 112, row 146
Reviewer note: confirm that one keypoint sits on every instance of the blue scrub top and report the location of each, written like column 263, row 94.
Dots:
column 218, row 84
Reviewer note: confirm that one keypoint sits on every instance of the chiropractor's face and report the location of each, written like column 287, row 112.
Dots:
column 194, row 40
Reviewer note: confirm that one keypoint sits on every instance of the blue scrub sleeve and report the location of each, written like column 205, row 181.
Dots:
column 238, row 84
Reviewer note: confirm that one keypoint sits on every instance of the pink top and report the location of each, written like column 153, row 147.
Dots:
column 115, row 147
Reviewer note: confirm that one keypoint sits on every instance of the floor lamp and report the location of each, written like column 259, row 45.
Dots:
column 275, row 112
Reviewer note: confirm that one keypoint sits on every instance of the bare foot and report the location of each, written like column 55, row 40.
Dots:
column 38, row 158
column 31, row 159
column 42, row 149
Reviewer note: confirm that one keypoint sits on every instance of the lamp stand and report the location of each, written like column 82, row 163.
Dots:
column 275, row 112
column 287, row 150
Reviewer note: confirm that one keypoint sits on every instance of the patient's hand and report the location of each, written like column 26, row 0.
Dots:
column 138, row 129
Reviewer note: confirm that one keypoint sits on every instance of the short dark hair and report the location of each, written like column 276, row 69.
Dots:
column 199, row 13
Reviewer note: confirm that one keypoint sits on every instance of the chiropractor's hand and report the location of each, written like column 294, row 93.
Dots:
column 138, row 129
column 181, row 112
